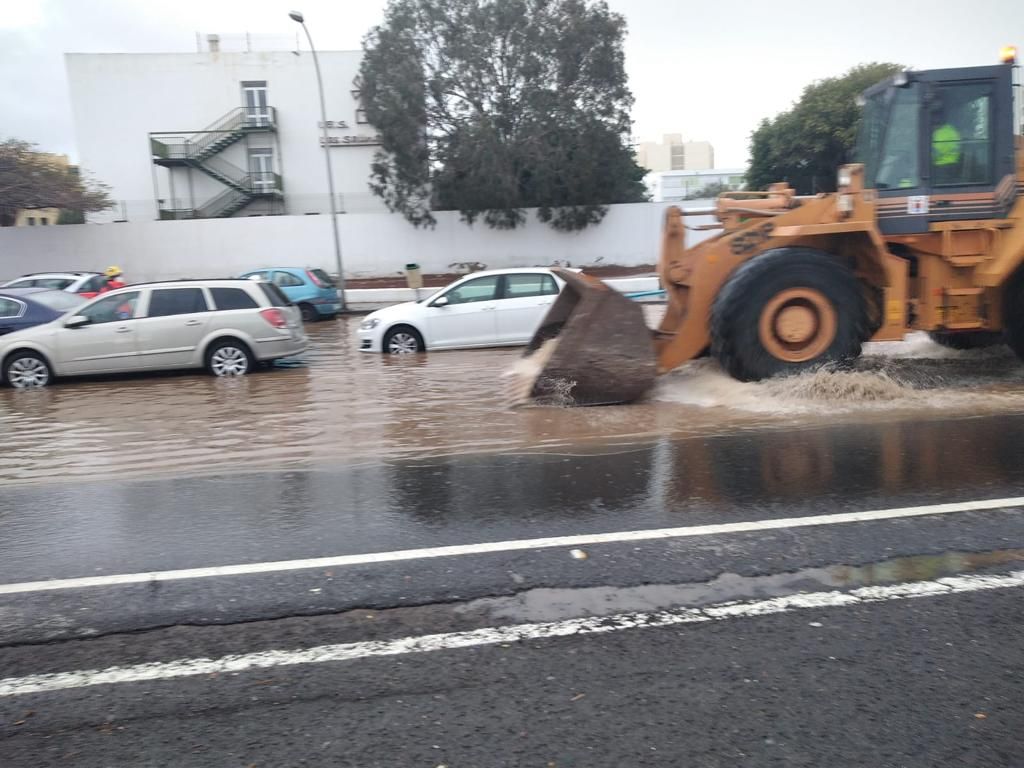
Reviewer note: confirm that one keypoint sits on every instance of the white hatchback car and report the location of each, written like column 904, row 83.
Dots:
column 87, row 284
column 225, row 326
column 497, row 308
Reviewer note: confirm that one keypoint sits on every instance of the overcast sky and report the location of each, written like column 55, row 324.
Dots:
column 708, row 70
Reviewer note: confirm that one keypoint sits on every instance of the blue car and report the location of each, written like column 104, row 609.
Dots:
column 22, row 308
column 311, row 290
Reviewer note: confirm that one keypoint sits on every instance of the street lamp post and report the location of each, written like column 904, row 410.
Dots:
column 297, row 17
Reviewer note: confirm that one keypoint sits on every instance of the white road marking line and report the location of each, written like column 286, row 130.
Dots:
column 373, row 558
column 592, row 625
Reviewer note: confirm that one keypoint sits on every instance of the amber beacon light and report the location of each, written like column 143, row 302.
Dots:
column 1008, row 54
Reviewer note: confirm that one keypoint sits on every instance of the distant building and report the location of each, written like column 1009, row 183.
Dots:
column 674, row 154
column 219, row 133
column 675, row 186
column 42, row 217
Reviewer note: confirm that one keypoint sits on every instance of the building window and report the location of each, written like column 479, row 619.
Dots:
column 31, row 221
column 678, row 157
column 361, row 117
column 254, row 100
column 44, row 221
column 261, row 168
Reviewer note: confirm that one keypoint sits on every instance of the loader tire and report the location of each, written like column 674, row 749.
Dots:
column 873, row 299
column 1013, row 313
column 786, row 311
column 967, row 339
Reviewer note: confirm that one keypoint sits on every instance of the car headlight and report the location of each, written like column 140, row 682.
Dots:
column 369, row 324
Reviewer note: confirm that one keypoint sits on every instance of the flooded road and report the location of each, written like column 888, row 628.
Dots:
column 338, row 406
column 186, row 560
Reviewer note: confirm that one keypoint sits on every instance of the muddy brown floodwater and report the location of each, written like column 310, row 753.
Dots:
column 338, row 405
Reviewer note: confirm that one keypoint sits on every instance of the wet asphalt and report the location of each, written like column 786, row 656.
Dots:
column 85, row 529
column 926, row 682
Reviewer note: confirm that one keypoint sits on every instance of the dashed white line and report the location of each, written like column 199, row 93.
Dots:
column 592, row 625
column 374, row 558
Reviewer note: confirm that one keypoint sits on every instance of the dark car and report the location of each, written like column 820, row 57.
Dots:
column 22, row 308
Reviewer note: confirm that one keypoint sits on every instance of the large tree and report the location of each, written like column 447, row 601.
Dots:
column 806, row 144
column 489, row 107
column 31, row 179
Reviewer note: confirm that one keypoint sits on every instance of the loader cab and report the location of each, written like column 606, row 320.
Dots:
column 939, row 146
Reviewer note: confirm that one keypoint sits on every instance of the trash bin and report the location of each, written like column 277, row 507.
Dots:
column 413, row 276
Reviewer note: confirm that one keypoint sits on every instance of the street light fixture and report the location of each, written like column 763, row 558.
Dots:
column 297, row 16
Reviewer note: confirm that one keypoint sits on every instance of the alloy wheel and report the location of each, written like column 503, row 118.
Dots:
column 403, row 343
column 27, row 372
column 229, row 361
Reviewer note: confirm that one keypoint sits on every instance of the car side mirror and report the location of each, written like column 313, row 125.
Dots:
column 76, row 321
column 440, row 302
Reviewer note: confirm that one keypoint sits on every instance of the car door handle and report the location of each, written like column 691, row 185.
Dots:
column 487, row 309
column 124, row 330
column 194, row 322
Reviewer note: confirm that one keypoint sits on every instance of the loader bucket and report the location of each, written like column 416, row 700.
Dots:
column 592, row 348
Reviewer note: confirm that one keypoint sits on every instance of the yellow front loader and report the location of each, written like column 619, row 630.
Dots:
column 925, row 232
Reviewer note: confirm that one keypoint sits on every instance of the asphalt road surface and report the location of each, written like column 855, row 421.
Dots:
column 833, row 595
column 354, row 560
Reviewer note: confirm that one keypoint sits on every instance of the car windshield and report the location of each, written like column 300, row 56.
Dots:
column 887, row 143
column 60, row 301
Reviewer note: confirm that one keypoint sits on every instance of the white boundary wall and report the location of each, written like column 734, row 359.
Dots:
column 373, row 245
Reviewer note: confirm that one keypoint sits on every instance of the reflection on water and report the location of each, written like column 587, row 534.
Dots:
column 344, row 406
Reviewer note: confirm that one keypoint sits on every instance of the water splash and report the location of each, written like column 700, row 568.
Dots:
column 522, row 375
column 914, row 375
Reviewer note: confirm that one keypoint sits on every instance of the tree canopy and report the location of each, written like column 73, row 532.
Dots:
column 31, row 179
column 709, row 191
column 489, row 107
column 806, row 144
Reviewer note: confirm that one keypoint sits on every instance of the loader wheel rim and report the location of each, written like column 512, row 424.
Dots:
column 798, row 325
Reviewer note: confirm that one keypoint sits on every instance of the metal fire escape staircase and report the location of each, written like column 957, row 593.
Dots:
column 201, row 150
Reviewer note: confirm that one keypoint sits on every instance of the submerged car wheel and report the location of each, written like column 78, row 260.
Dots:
column 403, row 340
column 26, row 370
column 229, row 358
column 309, row 313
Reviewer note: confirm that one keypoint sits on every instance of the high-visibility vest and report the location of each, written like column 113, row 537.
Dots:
column 946, row 145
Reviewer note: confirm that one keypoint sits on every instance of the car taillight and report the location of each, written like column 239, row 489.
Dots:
column 275, row 317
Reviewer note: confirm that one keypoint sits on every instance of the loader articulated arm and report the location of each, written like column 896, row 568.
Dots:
column 693, row 277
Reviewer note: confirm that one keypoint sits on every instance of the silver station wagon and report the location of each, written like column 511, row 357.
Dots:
column 225, row 326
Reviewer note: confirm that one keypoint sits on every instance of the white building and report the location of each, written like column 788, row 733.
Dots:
column 217, row 134
column 674, row 186
column 674, row 154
